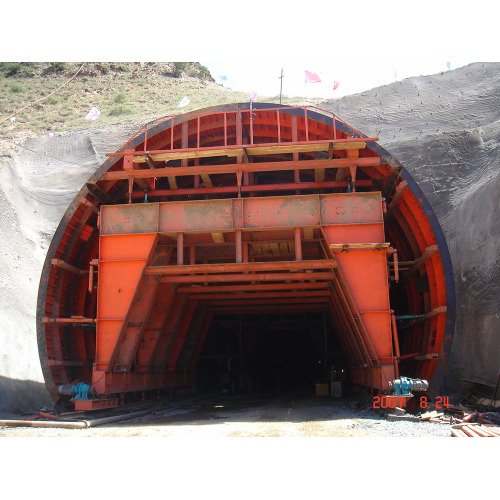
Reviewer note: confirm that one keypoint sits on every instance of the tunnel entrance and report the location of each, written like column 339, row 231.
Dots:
column 284, row 219
column 270, row 354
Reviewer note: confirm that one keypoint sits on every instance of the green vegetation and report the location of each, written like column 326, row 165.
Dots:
column 10, row 69
column 119, row 98
column 52, row 100
column 120, row 91
column 179, row 68
column 120, row 110
column 17, row 88
column 57, row 67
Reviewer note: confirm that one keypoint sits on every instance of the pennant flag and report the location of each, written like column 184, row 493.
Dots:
column 448, row 65
column 253, row 95
column 312, row 77
column 184, row 102
column 335, row 85
column 93, row 114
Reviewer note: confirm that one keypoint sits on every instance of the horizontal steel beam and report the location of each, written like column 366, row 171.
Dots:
column 250, row 149
column 248, row 266
column 259, row 295
column 257, row 188
column 276, row 166
column 271, row 309
column 230, row 278
column 254, row 288
column 266, row 301
column 273, row 212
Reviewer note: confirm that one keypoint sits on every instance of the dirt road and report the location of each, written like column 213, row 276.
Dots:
column 287, row 415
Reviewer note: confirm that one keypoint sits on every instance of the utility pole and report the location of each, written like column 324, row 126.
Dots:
column 281, row 84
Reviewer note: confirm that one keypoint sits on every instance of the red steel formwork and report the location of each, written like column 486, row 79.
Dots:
column 242, row 210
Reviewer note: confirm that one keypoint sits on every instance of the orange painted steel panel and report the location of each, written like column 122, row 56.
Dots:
column 140, row 309
column 129, row 219
column 242, row 213
column 154, row 326
column 118, row 279
column 169, row 330
column 356, row 233
column 180, row 335
column 365, row 274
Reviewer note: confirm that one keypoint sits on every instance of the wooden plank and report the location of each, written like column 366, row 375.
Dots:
column 68, row 321
column 238, row 150
column 266, row 166
column 458, row 433
column 150, row 162
column 463, row 424
column 495, row 429
column 68, row 267
column 481, row 432
column 172, row 182
column 489, row 431
column 469, row 431
column 218, row 237
column 308, row 233
column 319, row 174
column 206, row 180
column 275, row 249
column 242, row 267
column 358, row 246
column 284, row 249
column 428, row 253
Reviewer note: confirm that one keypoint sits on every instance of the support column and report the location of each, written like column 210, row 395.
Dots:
column 180, row 249
column 239, row 250
column 298, row 244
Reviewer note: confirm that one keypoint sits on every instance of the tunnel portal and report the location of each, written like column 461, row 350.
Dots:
column 246, row 247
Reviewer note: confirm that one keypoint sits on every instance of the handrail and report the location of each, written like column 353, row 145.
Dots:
column 250, row 111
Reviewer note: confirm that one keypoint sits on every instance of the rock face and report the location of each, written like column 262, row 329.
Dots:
column 444, row 129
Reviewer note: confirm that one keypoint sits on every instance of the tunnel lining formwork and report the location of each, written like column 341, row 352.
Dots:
column 260, row 200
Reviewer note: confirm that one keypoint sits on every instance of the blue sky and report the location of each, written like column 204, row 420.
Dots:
column 263, row 77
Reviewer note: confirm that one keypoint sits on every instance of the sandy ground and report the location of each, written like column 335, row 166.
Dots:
column 288, row 415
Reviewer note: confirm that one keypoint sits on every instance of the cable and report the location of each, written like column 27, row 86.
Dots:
column 42, row 98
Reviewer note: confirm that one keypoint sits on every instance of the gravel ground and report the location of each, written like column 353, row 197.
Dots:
column 242, row 416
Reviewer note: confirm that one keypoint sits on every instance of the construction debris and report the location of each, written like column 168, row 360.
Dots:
column 472, row 424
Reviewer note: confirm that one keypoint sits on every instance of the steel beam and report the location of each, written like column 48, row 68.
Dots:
column 276, row 166
column 243, row 267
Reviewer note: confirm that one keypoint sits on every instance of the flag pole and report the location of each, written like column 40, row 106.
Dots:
column 281, row 84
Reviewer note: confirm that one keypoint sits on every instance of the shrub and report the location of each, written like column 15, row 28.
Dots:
column 120, row 98
column 120, row 110
column 15, row 69
column 179, row 68
column 56, row 67
column 52, row 100
column 102, row 68
column 17, row 88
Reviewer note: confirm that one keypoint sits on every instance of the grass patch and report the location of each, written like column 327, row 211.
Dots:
column 10, row 69
column 120, row 110
column 52, row 100
column 17, row 88
column 120, row 98
column 56, row 67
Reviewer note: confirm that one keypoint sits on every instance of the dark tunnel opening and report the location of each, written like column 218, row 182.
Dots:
column 271, row 354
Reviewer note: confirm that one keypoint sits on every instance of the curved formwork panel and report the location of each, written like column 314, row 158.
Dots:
column 242, row 210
